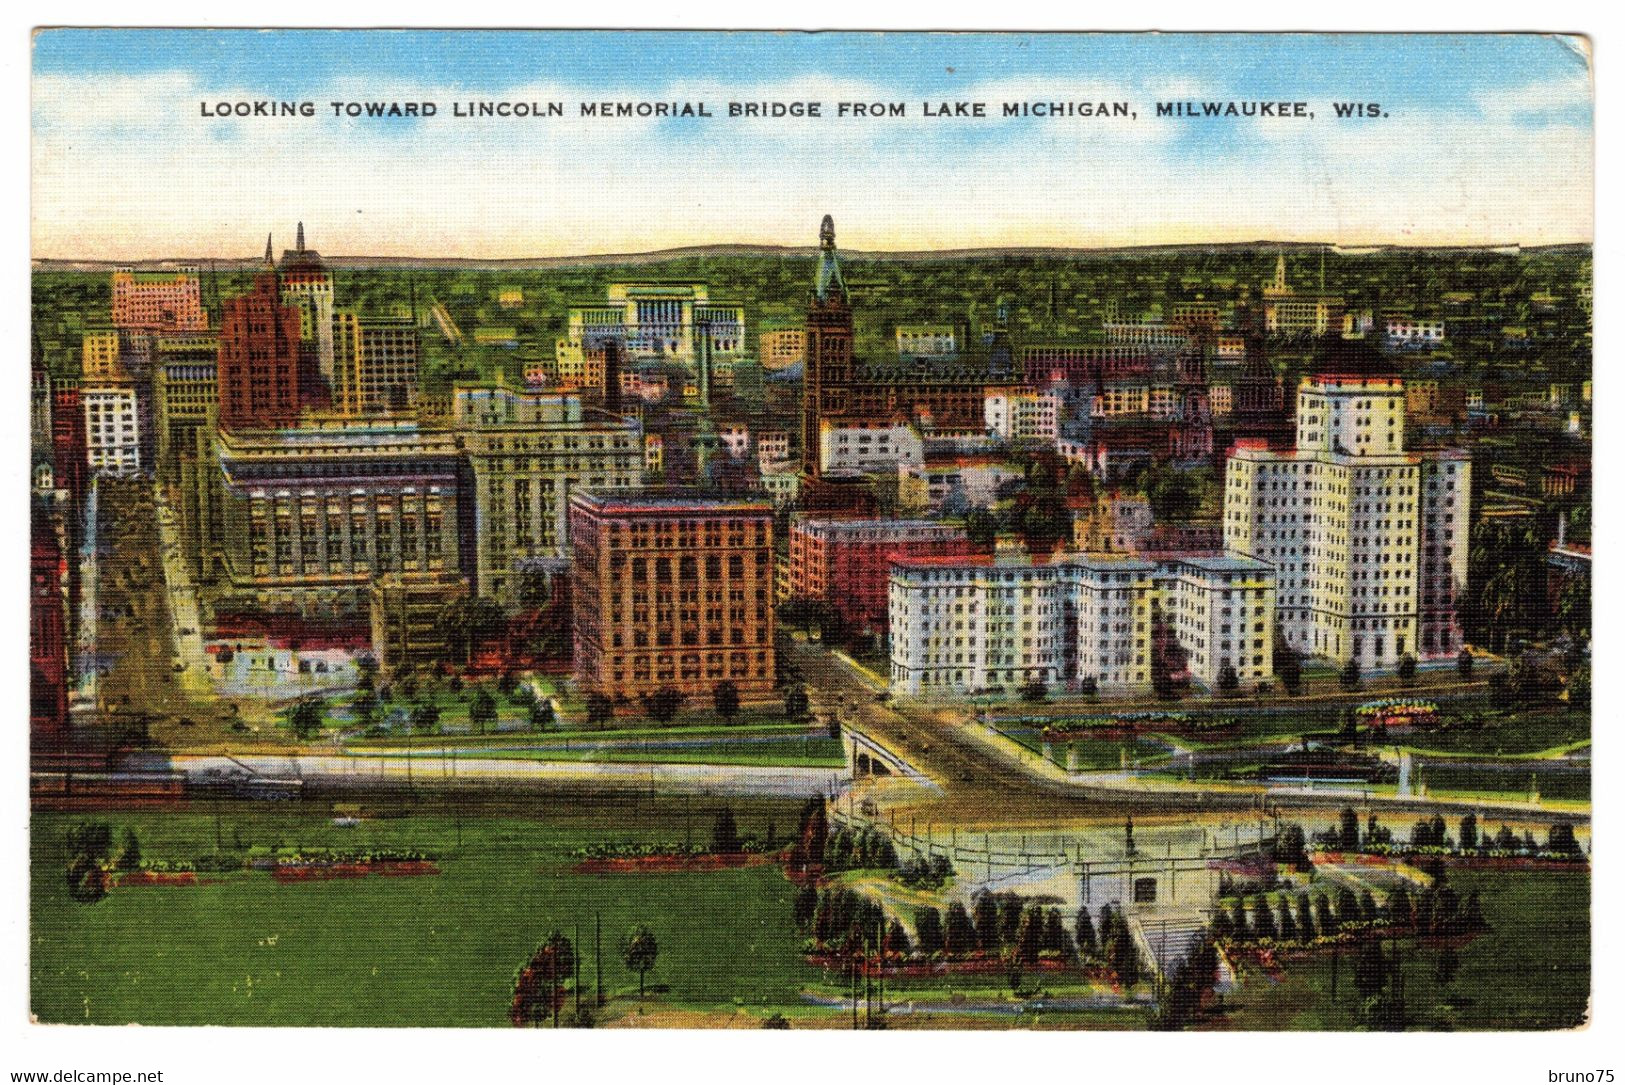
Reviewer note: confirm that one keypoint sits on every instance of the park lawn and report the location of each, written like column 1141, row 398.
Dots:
column 1094, row 753
column 1532, row 970
column 1518, row 731
column 1513, row 780
column 426, row 951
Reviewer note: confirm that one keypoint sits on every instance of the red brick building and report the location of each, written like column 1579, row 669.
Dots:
column 259, row 361
column 847, row 563
column 672, row 588
column 47, row 631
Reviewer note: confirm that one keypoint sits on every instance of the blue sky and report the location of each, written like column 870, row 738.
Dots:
column 1487, row 140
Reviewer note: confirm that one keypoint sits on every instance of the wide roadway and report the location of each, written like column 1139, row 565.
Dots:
column 978, row 787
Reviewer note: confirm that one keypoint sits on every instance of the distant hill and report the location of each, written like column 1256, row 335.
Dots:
column 804, row 251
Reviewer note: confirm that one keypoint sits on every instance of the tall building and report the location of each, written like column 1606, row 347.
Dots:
column 258, row 370
column 528, row 453
column 70, row 460
column 48, row 626
column 847, row 563
column 311, row 515
column 307, row 286
column 1368, row 540
column 828, row 347
column 112, row 430
column 164, row 301
column 672, row 589
column 185, row 398
column 375, row 364
column 959, row 626
column 99, row 356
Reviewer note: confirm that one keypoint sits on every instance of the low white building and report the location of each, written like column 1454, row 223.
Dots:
column 959, row 625
column 1021, row 414
column 1401, row 331
column 869, row 448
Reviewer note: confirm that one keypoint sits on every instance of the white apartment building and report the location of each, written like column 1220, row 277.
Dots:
column 869, row 448
column 927, row 340
column 1021, row 414
column 959, row 625
column 112, row 427
column 1344, row 520
column 1406, row 332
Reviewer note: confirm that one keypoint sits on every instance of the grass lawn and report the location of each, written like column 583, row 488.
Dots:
column 398, row 951
column 1531, row 971
column 1095, row 754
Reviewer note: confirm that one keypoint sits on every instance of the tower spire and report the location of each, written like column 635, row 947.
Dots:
column 829, row 286
column 269, row 262
column 299, row 239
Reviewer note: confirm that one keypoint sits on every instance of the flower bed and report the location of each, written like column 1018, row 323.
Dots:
column 673, row 864
column 1125, row 724
column 157, row 877
column 1397, row 713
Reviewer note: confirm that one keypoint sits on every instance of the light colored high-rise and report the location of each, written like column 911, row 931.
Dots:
column 529, row 451
column 1368, row 540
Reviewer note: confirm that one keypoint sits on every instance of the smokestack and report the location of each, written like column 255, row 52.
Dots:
column 612, row 375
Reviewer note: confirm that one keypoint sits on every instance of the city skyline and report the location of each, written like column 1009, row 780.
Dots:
column 1488, row 142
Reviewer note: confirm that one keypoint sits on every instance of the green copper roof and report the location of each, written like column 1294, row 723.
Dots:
column 829, row 284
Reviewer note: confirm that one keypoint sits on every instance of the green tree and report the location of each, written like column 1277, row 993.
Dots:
column 541, row 714
column 1306, row 918
column 1288, row 667
column 1229, row 682
column 1348, row 835
column 129, row 853
column 1406, row 669
column 662, row 705
column 725, row 698
column 1349, row 678
column 1579, row 687
column 1083, row 930
column 960, row 936
column 1464, row 664
column 1263, row 918
column 482, row 710
column 639, row 954
column 1469, row 832
column 928, row 929
column 305, row 718
column 1370, row 969
column 539, row 984
column 725, row 833
column 987, row 922
column 795, row 702
column 426, row 718
column 1399, row 907
column 1029, row 940
column 600, row 709
column 982, row 527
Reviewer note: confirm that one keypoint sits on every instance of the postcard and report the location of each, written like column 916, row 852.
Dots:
column 678, row 529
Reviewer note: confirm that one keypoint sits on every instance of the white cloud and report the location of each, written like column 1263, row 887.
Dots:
column 125, row 168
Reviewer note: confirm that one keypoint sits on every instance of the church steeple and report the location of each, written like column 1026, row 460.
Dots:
column 270, row 261
column 829, row 286
column 299, row 239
